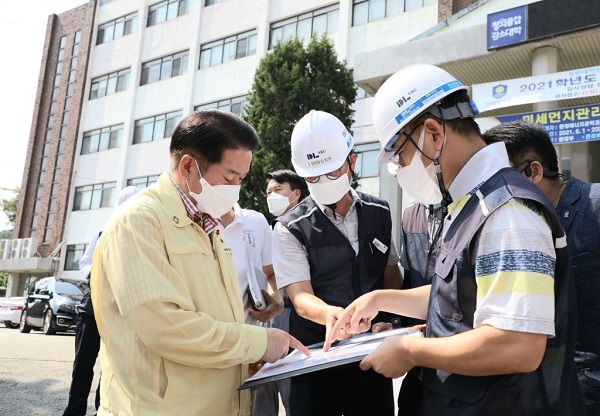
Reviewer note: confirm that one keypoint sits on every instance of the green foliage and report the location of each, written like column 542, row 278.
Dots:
column 9, row 206
column 290, row 81
column 3, row 279
column 6, row 234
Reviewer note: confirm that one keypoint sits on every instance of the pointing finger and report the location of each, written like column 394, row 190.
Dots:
column 294, row 343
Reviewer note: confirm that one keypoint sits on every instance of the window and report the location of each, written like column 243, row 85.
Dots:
column 305, row 25
column 94, row 196
column 366, row 161
column 117, row 28
column 156, row 128
column 228, row 49
column 109, row 84
column 168, row 10
column 142, row 183
column 360, row 93
column 211, row 2
column 236, row 105
column 164, row 68
column 365, row 11
column 74, row 254
column 102, row 139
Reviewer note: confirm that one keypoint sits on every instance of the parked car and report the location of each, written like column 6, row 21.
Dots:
column 50, row 306
column 10, row 311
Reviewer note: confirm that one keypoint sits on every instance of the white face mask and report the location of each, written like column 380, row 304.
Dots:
column 215, row 200
column 418, row 181
column 278, row 203
column 327, row 191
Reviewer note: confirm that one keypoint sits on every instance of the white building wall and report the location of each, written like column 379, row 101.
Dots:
column 232, row 79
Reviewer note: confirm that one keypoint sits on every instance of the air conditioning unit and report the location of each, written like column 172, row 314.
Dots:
column 28, row 247
column 15, row 252
column 5, row 247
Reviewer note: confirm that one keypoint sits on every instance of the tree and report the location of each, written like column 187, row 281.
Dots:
column 290, row 81
column 9, row 205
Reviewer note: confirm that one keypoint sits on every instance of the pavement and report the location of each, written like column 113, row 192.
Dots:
column 35, row 373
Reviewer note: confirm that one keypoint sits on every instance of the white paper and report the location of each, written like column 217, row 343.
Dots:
column 344, row 352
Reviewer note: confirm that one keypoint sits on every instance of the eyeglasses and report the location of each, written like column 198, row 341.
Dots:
column 395, row 157
column 331, row 175
column 524, row 166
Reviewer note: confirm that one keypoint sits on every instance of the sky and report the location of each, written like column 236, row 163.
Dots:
column 22, row 31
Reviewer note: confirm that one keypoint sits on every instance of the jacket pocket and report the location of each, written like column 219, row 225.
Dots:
column 445, row 288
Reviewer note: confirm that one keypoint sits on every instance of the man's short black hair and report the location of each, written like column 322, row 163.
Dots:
column 288, row 176
column 206, row 134
column 525, row 141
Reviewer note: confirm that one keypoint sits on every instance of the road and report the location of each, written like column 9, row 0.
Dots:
column 35, row 373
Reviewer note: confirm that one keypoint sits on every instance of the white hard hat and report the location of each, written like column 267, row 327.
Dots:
column 409, row 93
column 320, row 144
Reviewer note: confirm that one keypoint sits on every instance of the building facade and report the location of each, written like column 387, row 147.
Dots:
column 150, row 63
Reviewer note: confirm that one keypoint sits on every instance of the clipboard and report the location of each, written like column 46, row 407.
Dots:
column 342, row 352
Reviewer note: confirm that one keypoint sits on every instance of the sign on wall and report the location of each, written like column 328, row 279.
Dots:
column 565, row 125
column 566, row 85
column 507, row 27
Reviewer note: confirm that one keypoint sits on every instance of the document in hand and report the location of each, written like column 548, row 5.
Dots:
column 342, row 352
column 256, row 279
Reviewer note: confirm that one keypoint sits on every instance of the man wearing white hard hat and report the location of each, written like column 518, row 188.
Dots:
column 500, row 312
column 331, row 248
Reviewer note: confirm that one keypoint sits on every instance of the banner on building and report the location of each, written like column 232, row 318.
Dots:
column 577, row 83
column 565, row 125
column 507, row 27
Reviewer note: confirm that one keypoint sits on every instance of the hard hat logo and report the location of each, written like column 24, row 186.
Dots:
column 311, row 156
column 405, row 98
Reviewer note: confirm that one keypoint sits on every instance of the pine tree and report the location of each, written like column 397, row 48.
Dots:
column 290, row 81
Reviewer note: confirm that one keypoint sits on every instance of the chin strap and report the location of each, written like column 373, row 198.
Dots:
column 446, row 198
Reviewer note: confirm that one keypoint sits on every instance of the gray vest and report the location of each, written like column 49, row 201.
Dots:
column 338, row 275
column 550, row 390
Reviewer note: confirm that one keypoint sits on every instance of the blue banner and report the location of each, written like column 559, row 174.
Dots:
column 565, row 125
column 507, row 27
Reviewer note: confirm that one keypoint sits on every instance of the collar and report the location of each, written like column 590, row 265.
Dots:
column 238, row 215
column 484, row 163
column 204, row 220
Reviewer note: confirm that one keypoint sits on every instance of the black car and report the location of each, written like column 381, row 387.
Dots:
column 50, row 306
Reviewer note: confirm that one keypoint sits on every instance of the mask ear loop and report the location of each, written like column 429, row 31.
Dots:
column 199, row 173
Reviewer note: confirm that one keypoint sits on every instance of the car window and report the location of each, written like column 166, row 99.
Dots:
column 41, row 285
column 64, row 288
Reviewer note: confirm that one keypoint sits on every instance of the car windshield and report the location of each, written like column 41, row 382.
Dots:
column 63, row 288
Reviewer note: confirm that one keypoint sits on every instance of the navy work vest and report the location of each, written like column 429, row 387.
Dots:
column 338, row 275
column 550, row 390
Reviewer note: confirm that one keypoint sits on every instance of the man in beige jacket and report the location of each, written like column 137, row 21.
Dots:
column 164, row 287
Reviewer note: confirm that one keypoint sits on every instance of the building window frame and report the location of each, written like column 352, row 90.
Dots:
column 143, row 181
column 95, row 196
column 110, row 84
column 73, row 256
column 164, row 68
column 156, row 127
column 236, row 105
column 117, row 28
column 101, row 139
column 168, row 10
column 228, row 49
column 305, row 25
column 366, row 162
